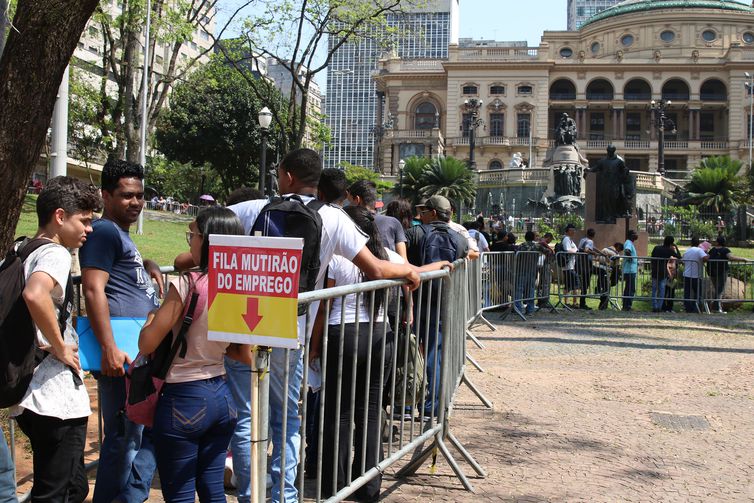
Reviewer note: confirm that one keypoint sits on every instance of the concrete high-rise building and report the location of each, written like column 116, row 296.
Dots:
column 581, row 10
column 352, row 102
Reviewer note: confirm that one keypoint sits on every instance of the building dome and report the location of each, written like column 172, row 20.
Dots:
column 632, row 6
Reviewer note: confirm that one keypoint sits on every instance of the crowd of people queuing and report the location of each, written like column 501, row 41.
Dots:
column 204, row 406
column 617, row 268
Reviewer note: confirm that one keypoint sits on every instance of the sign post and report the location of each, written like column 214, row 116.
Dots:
column 253, row 299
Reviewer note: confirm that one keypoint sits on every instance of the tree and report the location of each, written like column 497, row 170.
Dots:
column 715, row 185
column 449, row 177
column 212, row 120
column 182, row 181
column 355, row 173
column 31, row 68
column 411, row 183
column 173, row 24
column 302, row 36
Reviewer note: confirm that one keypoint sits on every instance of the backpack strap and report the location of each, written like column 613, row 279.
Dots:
column 27, row 246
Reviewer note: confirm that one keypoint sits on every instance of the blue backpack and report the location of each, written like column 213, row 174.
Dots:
column 437, row 244
column 289, row 217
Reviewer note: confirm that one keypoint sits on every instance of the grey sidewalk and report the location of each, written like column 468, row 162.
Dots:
column 606, row 407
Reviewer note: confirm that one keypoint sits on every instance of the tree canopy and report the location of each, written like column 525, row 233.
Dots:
column 212, row 120
column 445, row 176
column 716, row 186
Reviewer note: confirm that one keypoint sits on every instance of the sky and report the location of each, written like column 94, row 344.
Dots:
column 511, row 19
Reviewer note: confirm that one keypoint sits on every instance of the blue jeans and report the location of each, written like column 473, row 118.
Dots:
column 192, row 427
column 239, row 382
column 629, row 289
column 525, row 290
column 278, row 394
column 432, row 342
column 7, row 475
column 126, row 459
column 658, row 292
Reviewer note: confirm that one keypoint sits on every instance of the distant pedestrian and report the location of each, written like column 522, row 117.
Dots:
column 571, row 279
column 608, row 272
column 717, row 269
column 630, row 269
column 693, row 259
column 659, row 270
column 584, row 265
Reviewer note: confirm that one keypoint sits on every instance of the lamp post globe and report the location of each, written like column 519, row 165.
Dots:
column 401, row 165
column 265, row 119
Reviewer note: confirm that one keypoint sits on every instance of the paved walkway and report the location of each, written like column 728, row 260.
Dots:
column 606, row 407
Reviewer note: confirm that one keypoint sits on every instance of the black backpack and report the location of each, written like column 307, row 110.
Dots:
column 289, row 217
column 560, row 254
column 19, row 355
column 437, row 244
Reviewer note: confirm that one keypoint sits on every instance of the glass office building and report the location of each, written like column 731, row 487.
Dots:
column 352, row 101
column 581, row 10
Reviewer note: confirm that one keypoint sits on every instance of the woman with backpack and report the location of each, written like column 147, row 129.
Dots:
column 349, row 352
column 195, row 415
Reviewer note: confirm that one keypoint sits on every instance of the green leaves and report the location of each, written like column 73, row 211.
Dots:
column 715, row 185
column 212, row 121
column 446, row 176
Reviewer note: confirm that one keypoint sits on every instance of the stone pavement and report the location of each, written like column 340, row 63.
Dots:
column 605, row 407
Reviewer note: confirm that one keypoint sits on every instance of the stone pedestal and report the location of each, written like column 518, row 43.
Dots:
column 607, row 234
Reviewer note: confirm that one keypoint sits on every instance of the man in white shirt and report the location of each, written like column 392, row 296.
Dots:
column 693, row 262
column 299, row 173
column 569, row 271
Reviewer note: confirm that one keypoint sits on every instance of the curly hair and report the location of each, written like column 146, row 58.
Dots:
column 68, row 193
column 115, row 169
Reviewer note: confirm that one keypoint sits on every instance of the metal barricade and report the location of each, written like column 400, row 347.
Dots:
column 497, row 280
column 526, row 269
column 367, row 400
column 374, row 371
column 727, row 284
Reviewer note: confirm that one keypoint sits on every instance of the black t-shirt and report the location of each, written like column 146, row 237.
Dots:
column 718, row 261
column 503, row 246
column 659, row 266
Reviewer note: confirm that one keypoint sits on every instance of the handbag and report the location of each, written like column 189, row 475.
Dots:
column 146, row 375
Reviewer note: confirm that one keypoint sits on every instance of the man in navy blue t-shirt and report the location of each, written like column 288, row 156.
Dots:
column 118, row 283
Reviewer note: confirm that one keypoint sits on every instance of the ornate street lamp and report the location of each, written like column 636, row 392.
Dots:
column 472, row 106
column 265, row 119
column 379, row 132
column 401, row 165
column 661, row 122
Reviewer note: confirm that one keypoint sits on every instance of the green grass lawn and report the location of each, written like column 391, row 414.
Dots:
column 161, row 240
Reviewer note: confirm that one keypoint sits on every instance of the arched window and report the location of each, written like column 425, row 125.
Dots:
column 424, row 116
column 496, row 164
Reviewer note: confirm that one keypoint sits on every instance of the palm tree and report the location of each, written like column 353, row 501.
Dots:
column 715, row 185
column 410, row 182
column 449, row 177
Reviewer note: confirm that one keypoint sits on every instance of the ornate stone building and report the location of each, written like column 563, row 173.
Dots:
column 693, row 53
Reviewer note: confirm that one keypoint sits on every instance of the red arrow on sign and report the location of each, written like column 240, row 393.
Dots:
column 252, row 316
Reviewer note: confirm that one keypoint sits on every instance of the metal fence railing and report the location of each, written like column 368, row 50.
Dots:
column 386, row 393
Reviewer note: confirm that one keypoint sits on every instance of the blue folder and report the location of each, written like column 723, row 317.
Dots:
column 126, row 334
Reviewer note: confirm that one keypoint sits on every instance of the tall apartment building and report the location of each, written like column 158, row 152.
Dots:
column 352, row 101
column 87, row 61
column 581, row 10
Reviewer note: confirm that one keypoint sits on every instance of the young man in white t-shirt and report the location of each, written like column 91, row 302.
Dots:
column 693, row 262
column 569, row 271
column 54, row 410
column 299, row 174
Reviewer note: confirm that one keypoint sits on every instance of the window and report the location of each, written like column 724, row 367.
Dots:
column 709, row 35
column 566, row 52
column 497, row 89
column 748, row 37
column 707, row 122
column 633, row 123
column 159, row 60
column 524, row 90
column 424, row 117
column 470, row 89
column 93, row 32
column 595, row 48
column 633, row 164
column 597, row 121
column 204, row 35
column 627, row 40
column 523, row 125
column 496, row 164
column 667, row 36
column 497, row 124
column 465, row 125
